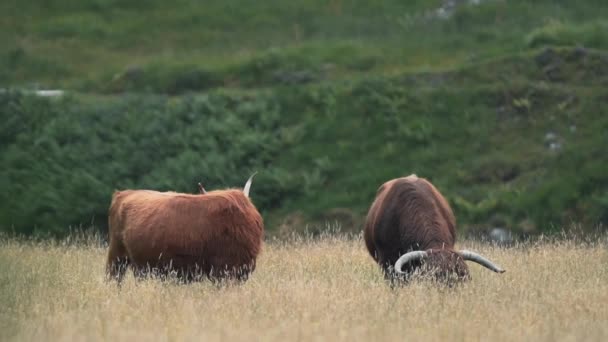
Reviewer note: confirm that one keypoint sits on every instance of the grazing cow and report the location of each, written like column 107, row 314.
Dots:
column 409, row 225
column 217, row 234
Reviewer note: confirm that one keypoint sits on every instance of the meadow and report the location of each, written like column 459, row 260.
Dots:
column 313, row 289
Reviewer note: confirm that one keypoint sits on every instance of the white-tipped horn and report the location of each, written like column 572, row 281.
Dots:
column 472, row 256
column 248, row 185
column 409, row 257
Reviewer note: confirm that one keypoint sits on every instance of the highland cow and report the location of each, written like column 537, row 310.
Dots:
column 215, row 234
column 411, row 227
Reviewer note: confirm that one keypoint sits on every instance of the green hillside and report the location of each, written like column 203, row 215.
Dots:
column 501, row 104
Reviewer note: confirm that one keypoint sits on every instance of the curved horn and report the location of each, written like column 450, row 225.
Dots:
column 409, row 257
column 248, row 185
column 472, row 256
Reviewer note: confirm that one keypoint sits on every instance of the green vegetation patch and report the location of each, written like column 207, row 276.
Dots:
column 499, row 103
column 514, row 151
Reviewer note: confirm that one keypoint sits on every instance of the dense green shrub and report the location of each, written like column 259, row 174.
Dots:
column 63, row 159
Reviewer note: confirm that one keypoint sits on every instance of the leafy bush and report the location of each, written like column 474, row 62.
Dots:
column 64, row 159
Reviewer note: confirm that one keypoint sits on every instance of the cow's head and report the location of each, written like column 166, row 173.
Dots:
column 443, row 264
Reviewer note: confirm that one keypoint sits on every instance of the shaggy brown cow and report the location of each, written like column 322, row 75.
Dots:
column 217, row 234
column 410, row 216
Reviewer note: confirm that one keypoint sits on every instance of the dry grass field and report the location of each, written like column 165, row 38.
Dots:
column 309, row 290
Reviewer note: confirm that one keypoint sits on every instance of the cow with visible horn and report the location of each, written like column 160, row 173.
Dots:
column 217, row 234
column 410, row 226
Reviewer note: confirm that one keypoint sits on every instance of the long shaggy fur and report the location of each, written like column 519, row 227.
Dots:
column 218, row 234
column 410, row 214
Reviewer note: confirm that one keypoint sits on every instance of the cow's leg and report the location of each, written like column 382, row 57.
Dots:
column 118, row 261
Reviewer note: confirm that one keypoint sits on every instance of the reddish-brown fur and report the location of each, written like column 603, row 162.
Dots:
column 218, row 234
column 410, row 214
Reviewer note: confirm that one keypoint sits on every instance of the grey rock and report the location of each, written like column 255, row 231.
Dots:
column 555, row 146
column 501, row 236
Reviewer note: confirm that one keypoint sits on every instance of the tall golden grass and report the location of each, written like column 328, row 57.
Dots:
column 308, row 290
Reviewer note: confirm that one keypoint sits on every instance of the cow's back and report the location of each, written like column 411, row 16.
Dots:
column 408, row 214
